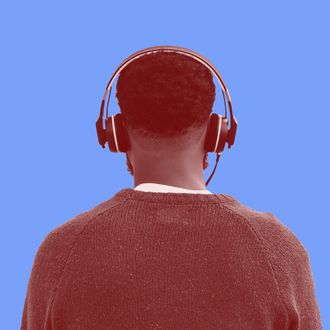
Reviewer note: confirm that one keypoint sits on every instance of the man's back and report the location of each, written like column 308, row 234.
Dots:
column 149, row 260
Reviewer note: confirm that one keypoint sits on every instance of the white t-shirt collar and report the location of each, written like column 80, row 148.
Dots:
column 157, row 187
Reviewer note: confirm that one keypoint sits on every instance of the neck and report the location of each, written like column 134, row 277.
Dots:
column 178, row 173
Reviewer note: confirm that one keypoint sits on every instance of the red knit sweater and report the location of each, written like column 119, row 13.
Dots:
column 150, row 260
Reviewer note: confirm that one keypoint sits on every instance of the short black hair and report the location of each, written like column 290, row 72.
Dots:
column 165, row 95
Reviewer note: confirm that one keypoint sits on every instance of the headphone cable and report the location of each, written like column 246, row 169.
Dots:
column 216, row 163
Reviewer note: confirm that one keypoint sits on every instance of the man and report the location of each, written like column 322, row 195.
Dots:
column 170, row 254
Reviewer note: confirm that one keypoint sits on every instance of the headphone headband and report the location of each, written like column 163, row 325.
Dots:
column 185, row 51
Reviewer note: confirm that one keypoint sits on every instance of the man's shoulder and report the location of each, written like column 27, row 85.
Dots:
column 63, row 236
column 289, row 261
column 51, row 257
column 267, row 226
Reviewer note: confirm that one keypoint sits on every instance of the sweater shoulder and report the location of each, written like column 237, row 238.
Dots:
column 281, row 244
column 57, row 244
column 74, row 225
column 267, row 226
column 290, row 264
column 49, row 264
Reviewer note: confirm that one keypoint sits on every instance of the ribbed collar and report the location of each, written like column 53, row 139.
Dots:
column 174, row 197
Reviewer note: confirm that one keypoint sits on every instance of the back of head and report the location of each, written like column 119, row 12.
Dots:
column 165, row 99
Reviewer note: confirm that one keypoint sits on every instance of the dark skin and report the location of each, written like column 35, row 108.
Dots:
column 170, row 164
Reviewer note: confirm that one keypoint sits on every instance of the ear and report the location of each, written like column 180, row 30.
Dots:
column 129, row 165
column 205, row 161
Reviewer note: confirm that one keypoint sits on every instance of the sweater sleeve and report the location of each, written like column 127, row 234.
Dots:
column 47, row 269
column 292, row 271
column 41, row 286
column 290, row 264
column 49, row 265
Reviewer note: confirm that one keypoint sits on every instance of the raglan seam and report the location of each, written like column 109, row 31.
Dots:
column 72, row 249
column 267, row 256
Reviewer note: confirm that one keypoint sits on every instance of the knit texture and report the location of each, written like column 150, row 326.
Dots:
column 150, row 260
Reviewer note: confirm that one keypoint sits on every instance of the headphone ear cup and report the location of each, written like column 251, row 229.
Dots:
column 109, row 133
column 116, row 134
column 121, row 133
column 217, row 132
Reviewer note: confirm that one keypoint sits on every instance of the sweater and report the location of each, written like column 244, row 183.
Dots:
column 151, row 260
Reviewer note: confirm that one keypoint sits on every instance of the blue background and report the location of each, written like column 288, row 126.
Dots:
column 56, row 59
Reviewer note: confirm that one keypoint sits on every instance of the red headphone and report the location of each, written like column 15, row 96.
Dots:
column 217, row 131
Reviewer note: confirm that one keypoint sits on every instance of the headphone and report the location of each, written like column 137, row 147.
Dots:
column 217, row 134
